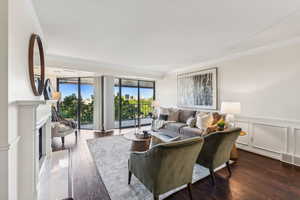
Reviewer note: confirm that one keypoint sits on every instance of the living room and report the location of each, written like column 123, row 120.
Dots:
column 149, row 100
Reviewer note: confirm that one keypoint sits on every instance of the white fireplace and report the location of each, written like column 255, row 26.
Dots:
column 34, row 124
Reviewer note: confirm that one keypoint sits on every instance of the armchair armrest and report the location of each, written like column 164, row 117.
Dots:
column 144, row 167
column 138, row 160
column 54, row 128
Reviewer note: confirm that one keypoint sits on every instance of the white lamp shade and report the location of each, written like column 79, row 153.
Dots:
column 231, row 107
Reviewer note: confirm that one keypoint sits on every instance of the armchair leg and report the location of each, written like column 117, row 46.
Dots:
column 212, row 175
column 76, row 134
column 155, row 197
column 63, row 140
column 129, row 177
column 229, row 169
column 190, row 190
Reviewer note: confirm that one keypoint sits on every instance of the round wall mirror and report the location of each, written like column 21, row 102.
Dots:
column 36, row 63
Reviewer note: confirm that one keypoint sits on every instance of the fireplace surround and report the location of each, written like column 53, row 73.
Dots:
column 34, row 119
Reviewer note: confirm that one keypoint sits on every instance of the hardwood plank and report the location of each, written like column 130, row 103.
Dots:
column 253, row 177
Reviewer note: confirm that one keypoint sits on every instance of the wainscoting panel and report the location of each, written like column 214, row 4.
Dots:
column 244, row 125
column 269, row 137
column 275, row 138
column 297, row 142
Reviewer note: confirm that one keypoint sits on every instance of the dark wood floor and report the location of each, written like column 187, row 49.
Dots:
column 253, row 177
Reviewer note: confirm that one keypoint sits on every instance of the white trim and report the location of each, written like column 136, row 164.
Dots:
column 289, row 141
column 43, row 121
column 9, row 146
column 269, row 119
column 248, row 127
column 270, row 125
column 29, row 102
column 295, row 129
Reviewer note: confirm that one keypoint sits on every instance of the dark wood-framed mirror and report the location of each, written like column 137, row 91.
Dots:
column 36, row 64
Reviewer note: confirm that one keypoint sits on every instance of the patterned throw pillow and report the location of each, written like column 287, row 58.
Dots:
column 191, row 122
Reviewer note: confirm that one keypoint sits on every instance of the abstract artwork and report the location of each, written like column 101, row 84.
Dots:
column 198, row 89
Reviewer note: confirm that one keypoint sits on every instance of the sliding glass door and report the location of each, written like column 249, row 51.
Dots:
column 87, row 103
column 133, row 99
column 77, row 100
column 69, row 101
column 147, row 95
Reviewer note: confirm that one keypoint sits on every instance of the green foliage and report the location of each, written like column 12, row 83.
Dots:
column 221, row 124
column 69, row 106
column 130, row 108
column 69, row 109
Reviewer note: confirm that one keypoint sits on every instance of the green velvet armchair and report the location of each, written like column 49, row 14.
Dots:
column 166, row 166
column 216, row 150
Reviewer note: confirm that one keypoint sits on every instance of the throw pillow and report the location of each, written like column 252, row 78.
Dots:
column 157, row 124
column 191, row 122
column 202, row 121
column 173, row 115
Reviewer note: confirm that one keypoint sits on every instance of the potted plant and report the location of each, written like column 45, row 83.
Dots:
column 221, row 125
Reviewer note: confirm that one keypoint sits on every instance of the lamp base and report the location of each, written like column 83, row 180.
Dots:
column 230, row 119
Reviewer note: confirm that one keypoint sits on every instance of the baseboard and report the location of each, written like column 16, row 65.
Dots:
column 297, row 161
column 287, row 158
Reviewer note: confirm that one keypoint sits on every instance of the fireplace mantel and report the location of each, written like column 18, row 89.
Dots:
column 33, row 114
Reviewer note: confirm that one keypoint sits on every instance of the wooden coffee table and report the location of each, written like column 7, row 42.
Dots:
column 138, row 144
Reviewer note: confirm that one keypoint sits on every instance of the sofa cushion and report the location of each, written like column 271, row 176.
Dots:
column 174, row 126
column 190, row 132
column 185, row 114
column 169, row 133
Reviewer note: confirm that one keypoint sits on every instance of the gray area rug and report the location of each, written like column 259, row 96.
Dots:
column 111, row 157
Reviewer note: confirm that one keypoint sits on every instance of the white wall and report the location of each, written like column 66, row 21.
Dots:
column 267, row 84
column 3, row 99
column 18, row 22
column 109, row 117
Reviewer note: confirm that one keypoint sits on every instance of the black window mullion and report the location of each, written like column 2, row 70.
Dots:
column 139, row 106
column 120, row 103
column 57, row 89
column 79, row 102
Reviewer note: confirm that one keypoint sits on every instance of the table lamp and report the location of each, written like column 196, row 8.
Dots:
column 56, row 96
column 230, row 109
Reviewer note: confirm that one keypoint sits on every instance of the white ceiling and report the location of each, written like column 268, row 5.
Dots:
column 160, row 36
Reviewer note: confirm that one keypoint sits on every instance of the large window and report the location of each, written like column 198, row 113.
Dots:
column 133, row 102
column 77, row 100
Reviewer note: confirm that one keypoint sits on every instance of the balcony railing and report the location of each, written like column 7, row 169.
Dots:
column 132, row 114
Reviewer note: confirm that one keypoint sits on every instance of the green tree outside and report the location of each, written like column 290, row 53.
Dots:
column 69, row 108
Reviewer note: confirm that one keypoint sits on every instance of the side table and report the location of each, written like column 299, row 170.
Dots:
column 138, row 144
